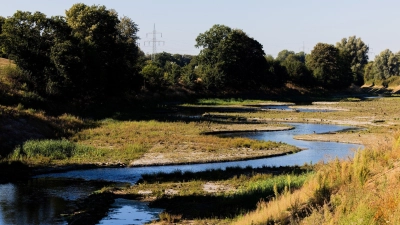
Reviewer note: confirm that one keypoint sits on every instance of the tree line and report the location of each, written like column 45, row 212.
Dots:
column 91, row 52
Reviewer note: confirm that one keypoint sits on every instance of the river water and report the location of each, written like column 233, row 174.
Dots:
column 42, row 199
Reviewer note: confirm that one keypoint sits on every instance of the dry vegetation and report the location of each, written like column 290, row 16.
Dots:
column 180, row 142
column 5, row 62
column 361, row 191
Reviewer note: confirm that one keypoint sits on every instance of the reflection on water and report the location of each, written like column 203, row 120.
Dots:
column 26, row 204
column 126, row 211
column 41, row 201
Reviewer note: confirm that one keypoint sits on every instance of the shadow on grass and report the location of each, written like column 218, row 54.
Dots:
column 216, row 206
column 219, row 174
column 18, row 126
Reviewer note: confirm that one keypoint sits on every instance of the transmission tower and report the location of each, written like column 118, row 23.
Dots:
column 154, row 42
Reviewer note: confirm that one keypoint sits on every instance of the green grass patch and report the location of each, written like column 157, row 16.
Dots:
column 275, row 185
column 64, row 151
column 52, row 149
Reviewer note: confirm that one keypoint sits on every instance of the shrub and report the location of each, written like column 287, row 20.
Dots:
column 53, row 149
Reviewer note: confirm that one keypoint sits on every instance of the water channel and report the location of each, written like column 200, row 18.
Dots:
column 42, row 199
column 296, row 109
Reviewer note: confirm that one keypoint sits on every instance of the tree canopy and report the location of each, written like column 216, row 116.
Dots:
column 327, row 66
column 355, row 52
column 230, row 58
column 89, row 52
column 92, row 52
column 386, row 65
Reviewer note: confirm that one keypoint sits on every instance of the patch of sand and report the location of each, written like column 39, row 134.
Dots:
column 211, row 187
column 324, row 103
column 317, row 107
column 171, row 192
column 368, row 139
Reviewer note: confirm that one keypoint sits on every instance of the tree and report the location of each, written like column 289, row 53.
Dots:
column 297, row 70
column 153, row 74
column 386, row 65
column 172, row 73
column 369, row 72
column 230, row 58
column 107, row 49
column 188, row 73
column 90, row 52
column 355, row 52
column 27, row 39
column 282, row 55
column 182, row 60
column 276, row 74
column 2, row 21
column 162, row 58
column 324, row 62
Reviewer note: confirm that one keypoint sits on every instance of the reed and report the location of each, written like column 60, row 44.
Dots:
column 361, row 191
column 52, row 149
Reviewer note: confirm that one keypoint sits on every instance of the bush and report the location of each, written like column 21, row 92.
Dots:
column 15, row 76
column 53, row 149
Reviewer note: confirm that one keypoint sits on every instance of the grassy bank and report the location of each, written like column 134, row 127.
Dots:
column 39, row 140
column 361, row 191
column 214, row 194
column 177, row 142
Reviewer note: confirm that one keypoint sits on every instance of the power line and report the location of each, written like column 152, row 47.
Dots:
column 154, row 41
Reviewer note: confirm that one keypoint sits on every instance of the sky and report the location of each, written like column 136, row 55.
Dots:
column 286, row 24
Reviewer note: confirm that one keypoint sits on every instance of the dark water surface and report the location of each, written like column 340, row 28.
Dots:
column 41, row 200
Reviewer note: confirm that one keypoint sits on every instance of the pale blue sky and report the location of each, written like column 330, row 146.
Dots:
column 277, row 25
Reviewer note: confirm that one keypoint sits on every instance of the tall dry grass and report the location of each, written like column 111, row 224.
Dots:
column 360, row 191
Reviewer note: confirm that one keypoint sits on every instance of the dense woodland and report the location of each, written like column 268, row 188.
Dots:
column 91, row 53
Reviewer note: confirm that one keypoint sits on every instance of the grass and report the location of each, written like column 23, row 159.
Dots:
column 231, row 101
column 363, row 114
column 53, row 149
column 42, row 152
column 361, row 191
column 5, row 62
column 175, row 142
column 213, row 194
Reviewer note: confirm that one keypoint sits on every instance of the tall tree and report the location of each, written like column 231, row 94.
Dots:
column 230, row 58
column 90, row 52
column 325, row 64
column 386, row 65
column 297, row 70
column 107, row 46
column 354, row 52
column 282, row 55
column 27, row 39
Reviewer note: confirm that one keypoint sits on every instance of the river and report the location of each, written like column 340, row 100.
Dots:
column 42, row 199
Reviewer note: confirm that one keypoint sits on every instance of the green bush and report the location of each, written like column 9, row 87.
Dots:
column 277, row 184
column 53, row 149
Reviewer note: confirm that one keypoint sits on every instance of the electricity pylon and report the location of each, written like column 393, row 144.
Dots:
column 154, row 42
